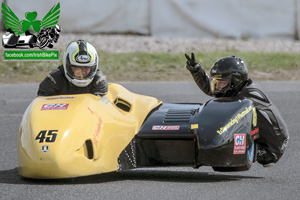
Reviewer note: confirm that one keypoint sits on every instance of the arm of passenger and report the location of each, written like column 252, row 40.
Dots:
column 198, row 73
column 202, row 80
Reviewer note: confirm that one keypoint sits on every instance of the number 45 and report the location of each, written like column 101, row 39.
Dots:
column 50, row 136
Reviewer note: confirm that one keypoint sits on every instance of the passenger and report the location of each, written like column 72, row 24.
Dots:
column 229, row 78
column 79, row 73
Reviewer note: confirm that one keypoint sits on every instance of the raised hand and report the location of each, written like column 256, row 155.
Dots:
column 191, row 63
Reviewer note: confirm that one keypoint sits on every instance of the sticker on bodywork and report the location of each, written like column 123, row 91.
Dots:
column 254, row 117
column 96, row 136
column 59, row 106
column 254, row 133
column 165, row 128
column 235, row 120
column 45, row 148
column 62, row 97
column 194, row 126
column 239, row 144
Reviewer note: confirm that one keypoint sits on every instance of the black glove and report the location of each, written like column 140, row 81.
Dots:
column 100, row 85
column 191, row 63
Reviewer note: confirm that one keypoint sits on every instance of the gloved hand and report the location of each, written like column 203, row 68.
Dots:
column 191, row 63
column 264, row 157
column 100, row 85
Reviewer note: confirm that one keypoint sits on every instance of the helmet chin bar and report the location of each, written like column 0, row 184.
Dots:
column 81, row 83
column 227, row 93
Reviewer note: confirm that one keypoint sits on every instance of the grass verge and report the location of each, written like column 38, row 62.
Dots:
column 159, row 66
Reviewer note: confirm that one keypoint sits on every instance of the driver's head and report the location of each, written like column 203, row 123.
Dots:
column 80, row 63
column 228, row 76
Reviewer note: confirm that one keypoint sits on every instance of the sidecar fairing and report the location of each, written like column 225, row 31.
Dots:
column 78, row 135
column 220, row 134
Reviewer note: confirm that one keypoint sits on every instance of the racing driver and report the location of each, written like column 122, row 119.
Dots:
column 79, row 73
column 229, row 78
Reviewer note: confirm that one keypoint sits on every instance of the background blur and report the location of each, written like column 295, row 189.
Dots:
column 234, row 19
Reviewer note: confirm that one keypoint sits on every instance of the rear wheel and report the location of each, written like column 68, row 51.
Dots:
column 43, row 43
column 251, row 151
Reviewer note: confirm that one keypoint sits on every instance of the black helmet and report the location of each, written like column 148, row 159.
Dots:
column 233, row 72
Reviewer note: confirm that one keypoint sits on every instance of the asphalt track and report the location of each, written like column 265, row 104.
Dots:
column 281, row 181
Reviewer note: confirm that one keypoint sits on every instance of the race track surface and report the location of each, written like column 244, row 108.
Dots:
column 281, row 181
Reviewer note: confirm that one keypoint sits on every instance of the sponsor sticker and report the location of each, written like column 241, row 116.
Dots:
column 165, row 128
column 96, row 136
column 62, row 97
column 45, row 148
column 83, row 58
column 62, row 106
column 239, row 144
column 194, row 126
column 234, row 120
column 256, row 130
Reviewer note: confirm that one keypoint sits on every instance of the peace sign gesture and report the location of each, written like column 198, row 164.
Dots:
column 191, row 63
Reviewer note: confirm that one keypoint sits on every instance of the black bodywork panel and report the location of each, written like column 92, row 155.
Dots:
column 192, row 135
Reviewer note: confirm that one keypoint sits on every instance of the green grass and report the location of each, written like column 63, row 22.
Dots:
column 149, row 66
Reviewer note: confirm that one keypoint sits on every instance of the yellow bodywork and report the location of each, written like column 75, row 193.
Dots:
column 57, row 133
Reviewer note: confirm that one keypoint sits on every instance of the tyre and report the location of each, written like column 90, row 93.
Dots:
column 43, row 43
column 251, row 151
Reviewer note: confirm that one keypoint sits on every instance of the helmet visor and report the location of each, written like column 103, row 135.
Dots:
column 80, row 72
column 220, row 85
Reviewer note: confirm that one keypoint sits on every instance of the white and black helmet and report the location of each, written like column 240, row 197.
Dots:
column 80, row 54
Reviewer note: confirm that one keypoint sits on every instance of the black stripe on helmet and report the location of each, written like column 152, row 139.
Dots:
column 82, row 56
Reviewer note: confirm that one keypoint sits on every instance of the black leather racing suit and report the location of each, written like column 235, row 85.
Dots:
column 57, row 84
column 273, row 132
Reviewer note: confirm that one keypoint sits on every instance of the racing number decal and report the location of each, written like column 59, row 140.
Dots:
column 50, row 136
